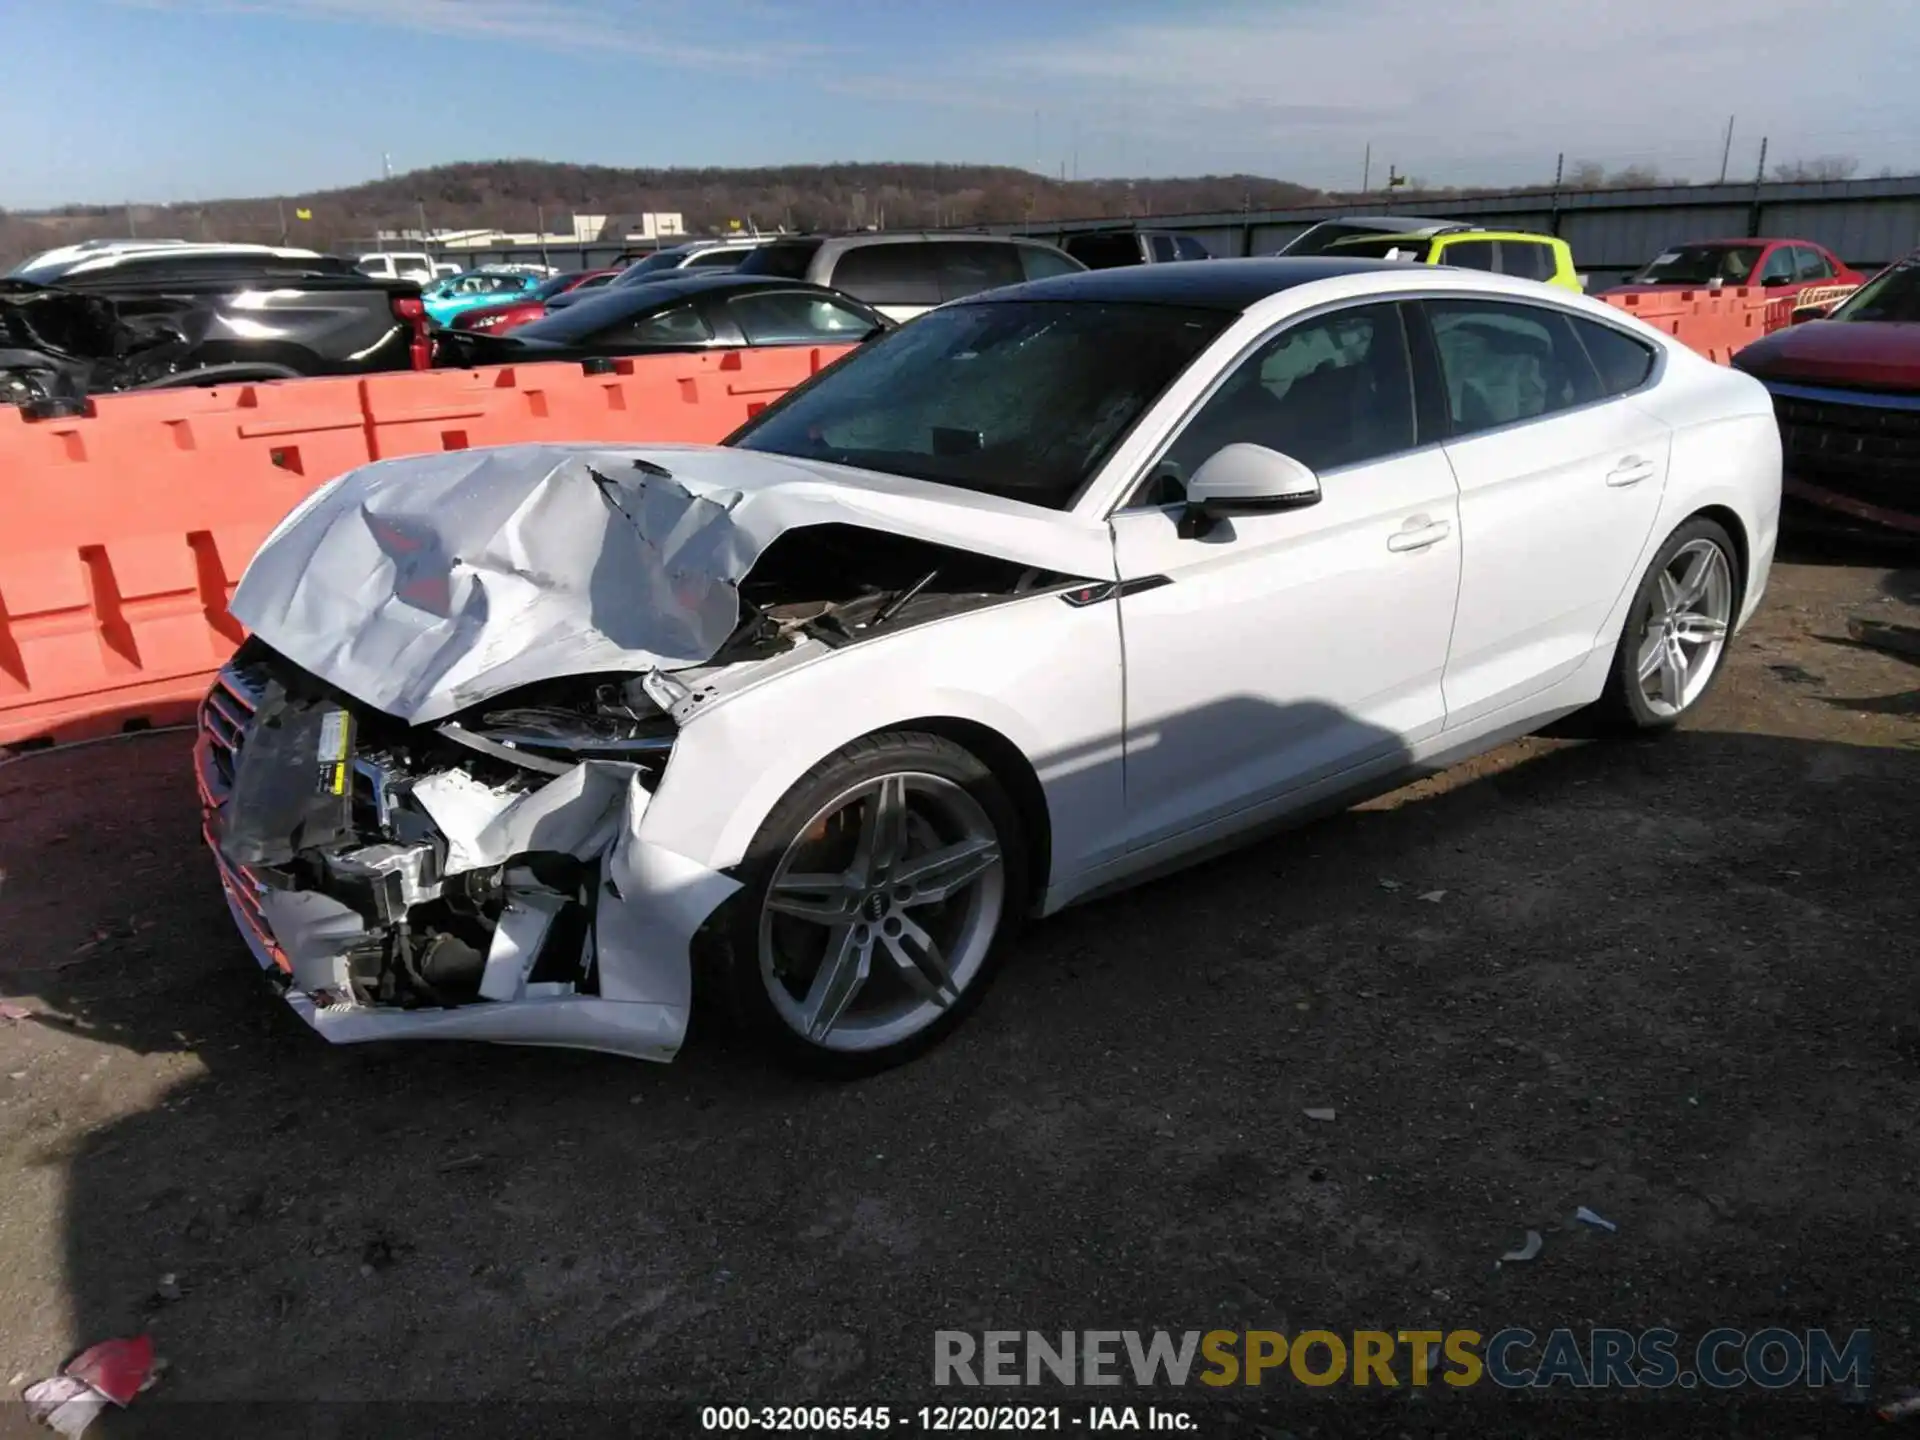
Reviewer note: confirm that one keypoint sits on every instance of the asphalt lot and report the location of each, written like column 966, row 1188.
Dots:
column 1670, row 980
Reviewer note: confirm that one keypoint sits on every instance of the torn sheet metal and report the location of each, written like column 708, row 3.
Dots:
column 314, row 932
column 426, row 584
column 523, row 927
column 652, row 900
column 578, row 813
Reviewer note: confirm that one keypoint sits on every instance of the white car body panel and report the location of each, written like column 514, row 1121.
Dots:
column 1290, row 658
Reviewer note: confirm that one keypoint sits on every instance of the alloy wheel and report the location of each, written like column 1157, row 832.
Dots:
column 881, row 911
column 1686, row 629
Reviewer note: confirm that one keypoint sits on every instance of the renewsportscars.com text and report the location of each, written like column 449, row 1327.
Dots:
column 1513, row 1358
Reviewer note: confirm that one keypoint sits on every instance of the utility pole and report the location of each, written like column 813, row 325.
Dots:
column 1726, row 152
column 133, row 231
column 421, row 206
column 1366, row 170
column 386, row 163
column 540, row 222
column 1553, row 210
column 281, row 207
column 1759, row 177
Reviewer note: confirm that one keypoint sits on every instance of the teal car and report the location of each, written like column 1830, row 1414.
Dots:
column 474, row 290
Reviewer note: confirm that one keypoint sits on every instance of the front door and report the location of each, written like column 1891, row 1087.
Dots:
column 1281, row 649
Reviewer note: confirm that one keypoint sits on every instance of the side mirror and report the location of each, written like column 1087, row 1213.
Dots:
column 1243, row 479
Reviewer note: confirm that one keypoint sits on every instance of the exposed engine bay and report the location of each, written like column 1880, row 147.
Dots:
column 472, row 859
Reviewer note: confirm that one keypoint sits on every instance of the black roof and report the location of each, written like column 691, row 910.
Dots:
column 1199, row 284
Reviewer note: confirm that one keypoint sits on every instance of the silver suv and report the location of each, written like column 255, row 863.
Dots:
column 903, row 274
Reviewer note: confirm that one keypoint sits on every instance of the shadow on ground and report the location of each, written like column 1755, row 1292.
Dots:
column 1669, row 980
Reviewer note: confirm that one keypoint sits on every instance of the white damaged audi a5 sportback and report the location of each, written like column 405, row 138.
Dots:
column 1047, row 590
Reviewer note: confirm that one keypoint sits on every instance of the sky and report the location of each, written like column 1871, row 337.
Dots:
column 180, row 100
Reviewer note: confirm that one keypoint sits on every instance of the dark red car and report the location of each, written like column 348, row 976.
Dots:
column 1781, row 267
column 1846, row 391
column 498, row 319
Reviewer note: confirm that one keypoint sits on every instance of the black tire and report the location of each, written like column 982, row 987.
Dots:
column 730, row 986
column 1622, row 706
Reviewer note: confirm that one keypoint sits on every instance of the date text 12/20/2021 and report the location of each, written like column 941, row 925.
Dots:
column 942, row 1419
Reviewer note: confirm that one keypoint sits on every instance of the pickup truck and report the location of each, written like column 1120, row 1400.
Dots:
column 165, row 318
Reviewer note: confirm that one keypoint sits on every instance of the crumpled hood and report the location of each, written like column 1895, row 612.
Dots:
column 427, row 584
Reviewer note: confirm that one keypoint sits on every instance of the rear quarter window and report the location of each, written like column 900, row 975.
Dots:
column 1526, row 260
column 1471, row 254
column 1624, row 363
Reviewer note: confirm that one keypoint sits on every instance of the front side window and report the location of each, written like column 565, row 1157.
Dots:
column 1188, row 248
column 1163, row 250
column 1810, row 264
column 1506, row 363
column 1779, row 267
column 1022, row 399
column 902, row 273
column 795, row 317
column 1331, row 391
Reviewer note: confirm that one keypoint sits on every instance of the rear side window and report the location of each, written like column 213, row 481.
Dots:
column 714, row 260
column 1507, row 363
column 1623, row 362
column 795, row 317
column 1188, row 248
column 890, row 274
column 967, row 268
column 1042, row 262
column 1104, row 252
column 1163, row 250
column 1473, row 254
column 1526, row 260
column 788, row 259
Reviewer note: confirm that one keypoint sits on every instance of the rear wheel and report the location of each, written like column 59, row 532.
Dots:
column 1675, row 638
column 872, row 903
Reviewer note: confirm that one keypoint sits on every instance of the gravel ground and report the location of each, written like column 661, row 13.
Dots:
column 1662, row 979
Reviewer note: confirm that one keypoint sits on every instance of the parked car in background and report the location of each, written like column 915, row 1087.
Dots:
column 474, row 290
column 902, row 275
column 1051, row 590
column 1846, row 391
column 1781, row 267
column 188, row 315
column 414, row 265
column 701, row 256
column 499, row 319
column 92, row 264
column 1518, row 253
column 1105, row 249
column 690, row 311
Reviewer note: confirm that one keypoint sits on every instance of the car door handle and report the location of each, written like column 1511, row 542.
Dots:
column 1420, row 538
column 1630, row 471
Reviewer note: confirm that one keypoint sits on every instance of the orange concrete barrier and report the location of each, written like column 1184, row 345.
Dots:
column 124, row 531
column 1715, row 323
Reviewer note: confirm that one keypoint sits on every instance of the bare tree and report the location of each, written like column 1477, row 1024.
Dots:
column 1820, row 167
column 1586, row 175
column 1634, row 177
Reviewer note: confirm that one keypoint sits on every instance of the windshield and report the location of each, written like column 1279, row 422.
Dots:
column 1383, row 247
column 1892, row 296
column 1700, row 265
column 1019, row 399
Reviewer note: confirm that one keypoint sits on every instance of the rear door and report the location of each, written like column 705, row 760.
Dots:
column 1561, row 475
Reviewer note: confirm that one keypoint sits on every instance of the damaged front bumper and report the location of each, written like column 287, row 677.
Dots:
column 396, row 883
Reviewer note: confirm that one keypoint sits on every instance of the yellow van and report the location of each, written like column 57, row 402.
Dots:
column 1504, row 252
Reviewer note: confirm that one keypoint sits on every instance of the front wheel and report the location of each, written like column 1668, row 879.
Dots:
column 872, row 903
column 1677, row 629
